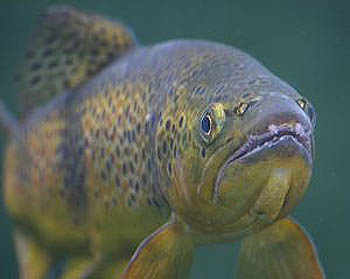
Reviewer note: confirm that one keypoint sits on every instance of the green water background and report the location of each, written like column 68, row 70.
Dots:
column 306, row 43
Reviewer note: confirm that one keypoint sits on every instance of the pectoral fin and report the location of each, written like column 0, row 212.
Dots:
column 167, row 253
column 284, row 250
column 82, row 267
column 34, row 260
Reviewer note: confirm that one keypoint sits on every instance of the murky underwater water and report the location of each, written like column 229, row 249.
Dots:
column 306, row 44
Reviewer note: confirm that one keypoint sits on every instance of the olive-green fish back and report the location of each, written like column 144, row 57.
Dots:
column 66, row 49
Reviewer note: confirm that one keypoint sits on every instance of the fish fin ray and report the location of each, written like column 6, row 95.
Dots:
column 283, row 250
column 167, row 253
column 7, row 121
column 66, row 49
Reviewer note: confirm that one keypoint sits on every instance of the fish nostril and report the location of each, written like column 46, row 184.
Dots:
column 241, row 108
column 244, row 106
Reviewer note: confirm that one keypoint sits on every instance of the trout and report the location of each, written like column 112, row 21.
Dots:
column 127, row 157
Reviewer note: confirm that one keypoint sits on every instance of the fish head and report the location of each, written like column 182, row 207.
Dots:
column 268, row 167
column 249, row 162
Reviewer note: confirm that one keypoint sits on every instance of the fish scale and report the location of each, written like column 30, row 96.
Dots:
column 114, row 121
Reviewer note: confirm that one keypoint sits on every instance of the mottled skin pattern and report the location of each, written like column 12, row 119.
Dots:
column 93, row 172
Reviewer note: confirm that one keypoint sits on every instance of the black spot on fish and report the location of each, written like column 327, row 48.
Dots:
column 181, row 120
column 125, row 168
column 114, row 201
column 110, row 55
column 171, row 143
column 178, row 138
column 47, row 52
column 106, row 133
column 149, row 164
column 203, row 152
column 121, row 140
column 156, row 203
column 153, row 119
column 35, row 80
column 175, row 151
column 86, row 142
column 62, row 193
column 117, row 181
column 132, row 168
column 128, row 134
column 167, row 125
column 189, row 136
column 137, row 186
column 108, row 166
column 68, row 50
column 92, row 153
column 30, row 54
column 165, row 147
column 69, row 62
column 80, row 150
column 138, row 128
column 127, row 111
column 53, row 64
column 106, row 204
column 35, row 66
column 117, row 151
column 144, row 178
column 169, row 168
column 126, row 151
column 97, row 134
column 111, row 158
column 159, row 155
column 131, row 200
column 96, row 195
column 94, row 52
column 183, row 139
column 103, row 175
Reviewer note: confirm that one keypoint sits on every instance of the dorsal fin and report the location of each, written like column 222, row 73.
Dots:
column 67, row 48
column 8, row 123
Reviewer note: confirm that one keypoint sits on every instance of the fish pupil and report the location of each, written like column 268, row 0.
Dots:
column 206, row 124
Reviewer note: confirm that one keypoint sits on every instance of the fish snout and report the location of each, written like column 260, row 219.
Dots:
column 276, row 110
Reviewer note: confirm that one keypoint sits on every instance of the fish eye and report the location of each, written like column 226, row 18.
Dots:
column 212, row 122
column 308, row 108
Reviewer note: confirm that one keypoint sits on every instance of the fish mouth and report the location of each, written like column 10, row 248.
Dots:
column 273, row 137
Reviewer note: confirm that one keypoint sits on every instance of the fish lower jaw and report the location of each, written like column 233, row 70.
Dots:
column 274, row 196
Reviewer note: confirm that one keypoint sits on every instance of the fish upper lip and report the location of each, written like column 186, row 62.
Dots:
column 273, row 136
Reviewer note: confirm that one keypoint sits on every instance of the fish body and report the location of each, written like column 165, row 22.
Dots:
column 193, row 134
